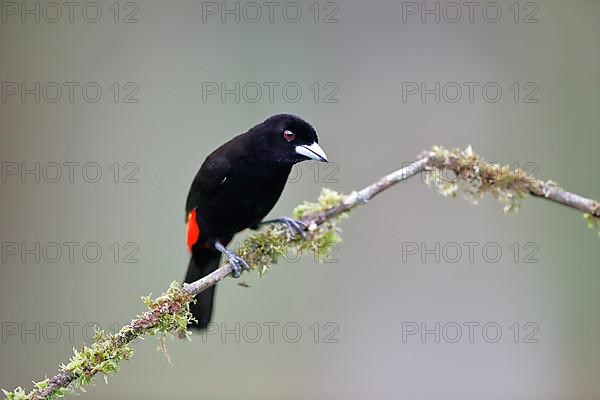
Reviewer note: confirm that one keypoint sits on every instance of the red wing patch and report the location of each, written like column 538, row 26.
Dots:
column 193, row 230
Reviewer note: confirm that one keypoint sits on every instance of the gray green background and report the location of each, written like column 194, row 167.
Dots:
column 370, row 291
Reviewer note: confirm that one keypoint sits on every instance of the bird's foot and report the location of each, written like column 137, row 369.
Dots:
column 237, row 263
column 294, row 226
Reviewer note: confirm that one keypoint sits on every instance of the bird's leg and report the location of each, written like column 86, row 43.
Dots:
column 237, row 262
column 294, row 226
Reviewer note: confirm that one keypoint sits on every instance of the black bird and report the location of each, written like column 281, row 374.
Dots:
column 235, row 188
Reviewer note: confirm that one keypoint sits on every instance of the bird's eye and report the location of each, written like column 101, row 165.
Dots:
column 289, row 135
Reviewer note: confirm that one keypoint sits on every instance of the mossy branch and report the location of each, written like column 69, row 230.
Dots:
column 169, row 313
column 474, row 177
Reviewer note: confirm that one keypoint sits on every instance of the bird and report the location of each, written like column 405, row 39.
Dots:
column 236, row 186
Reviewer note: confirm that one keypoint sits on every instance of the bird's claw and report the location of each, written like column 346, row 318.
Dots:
column 237, row 264
column 294, row 226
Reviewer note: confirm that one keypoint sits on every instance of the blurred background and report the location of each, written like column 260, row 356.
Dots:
column 108, row 109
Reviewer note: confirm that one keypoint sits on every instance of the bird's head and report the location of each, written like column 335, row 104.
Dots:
column 286, row 139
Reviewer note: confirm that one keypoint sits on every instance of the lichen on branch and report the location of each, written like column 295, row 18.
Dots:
column 262, row 250
column 462, row 171
column 167, row 314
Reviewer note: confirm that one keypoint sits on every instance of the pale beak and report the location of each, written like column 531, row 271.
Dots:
column 313, row 151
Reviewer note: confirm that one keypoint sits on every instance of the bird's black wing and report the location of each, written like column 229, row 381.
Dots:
column 208, row 180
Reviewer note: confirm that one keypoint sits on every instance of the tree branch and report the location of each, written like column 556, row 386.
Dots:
column 170, row 312
column 508, row 185
column 573, row 200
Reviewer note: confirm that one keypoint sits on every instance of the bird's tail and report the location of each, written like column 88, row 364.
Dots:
column 201, row 264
